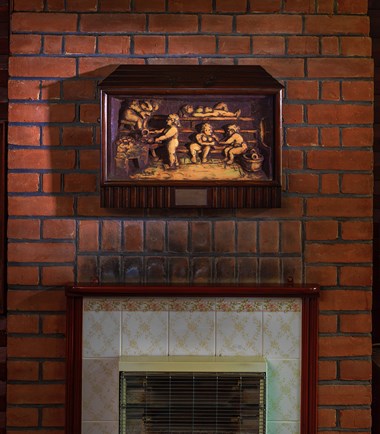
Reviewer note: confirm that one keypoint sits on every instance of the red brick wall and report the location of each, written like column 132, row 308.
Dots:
column 319, row 49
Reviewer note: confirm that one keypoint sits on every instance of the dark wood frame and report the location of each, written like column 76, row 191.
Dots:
column 160, row 80
column 309, row 357
column 3, row 166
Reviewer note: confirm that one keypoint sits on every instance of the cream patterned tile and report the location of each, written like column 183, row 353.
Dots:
column 144, row 333
column 184, row 304
column 101, row 333
column 283, row 428
column 101, row 304
column 282, row 305
column 100, row 428
column 239, row 334
column 192, row 333
column 144, row 304
column 100, row 389
column 284, row 390
column 282, row 335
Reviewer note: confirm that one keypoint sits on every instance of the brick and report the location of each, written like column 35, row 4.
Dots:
column 22, row 417
column 50, row 89
column 24, row 89
column 325, row 6
column 22, row 370
column 357, row 136
column 55, row 5
column 356, row 323
column 303, row 45
column 270, row 45
column 148, row 44
column 53, row 416
column 23, row 229
column 198, row 6
column 357, row 184
column 19, row 183
column 322, row 230
column 331, row 90
column 357, row 230
column 149, row 5
column 326, row 417
column 269, row 24
column 234, row 45
column 23, row 324
column 337, row 68
column 35, row 300
column 302, row 89
column 291, row 237
column 155, row 236
column 53, row 44
column 178, row 235
column 41, row 252
column 25, row 44
column 292, row 113
column 112, row 23
column 224, row 236
column 35, row 347
column 88, row 235
column 201, row 236
column 111, row 236
column 231, row 6
column 80, row 44
column 338, row 160
column 40, row 205
column 290, row 207
column 216, row 23
column 41, row 112
column 114, row 44
column 59, row 229
column 330, row 183
column 330, row 46
column 324, row 275
column 77, row 136
column 355, row 370
column 344, row 346
column 357, row 91
column 53, row 371
column 336, row 25
column 330, row 137
column 41, row 67
column 356, row 418
column 23, row 275
column 51, row 136
column 247, row 237
column 28, row 5
column 41, row 159
column 292, row 159
column 52, row 183
column 81, row 5
column 265, row 5
column 352, row 7
column 339, row 252
column 340, row 114
column 80, row 182
column 192, row 44
column 115, row 5
column 269, row 237
column 303, row 182
column 328, row 324
column 173, row 23
column 57, row 275
column 356, row 46
column 53, row 324
column 348, row 300
column 89, row 113
column 44, row 22
column 305, row 136
column 79, row 89
column 36, row 393
column 89, row 160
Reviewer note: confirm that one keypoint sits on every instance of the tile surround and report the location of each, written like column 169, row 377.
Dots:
column 268, row 327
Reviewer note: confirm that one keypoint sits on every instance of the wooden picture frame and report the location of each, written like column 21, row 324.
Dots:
column 309, row 295
column 190, row 136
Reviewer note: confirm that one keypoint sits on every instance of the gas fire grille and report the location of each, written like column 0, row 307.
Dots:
column 197, row 403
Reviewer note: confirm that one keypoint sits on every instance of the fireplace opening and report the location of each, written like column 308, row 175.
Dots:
column 191, row 398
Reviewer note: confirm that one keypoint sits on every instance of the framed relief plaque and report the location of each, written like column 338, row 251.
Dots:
column 190, row 136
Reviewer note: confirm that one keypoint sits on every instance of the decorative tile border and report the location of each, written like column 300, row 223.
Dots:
column 219, row 304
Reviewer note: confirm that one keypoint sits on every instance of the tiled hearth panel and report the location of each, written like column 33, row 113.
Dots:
column 268, row 327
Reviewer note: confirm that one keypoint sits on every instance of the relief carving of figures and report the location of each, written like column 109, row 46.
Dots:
column 235, row 143
column 203, row 143
column 220, row 109
column 170, row 136
column 137, row 114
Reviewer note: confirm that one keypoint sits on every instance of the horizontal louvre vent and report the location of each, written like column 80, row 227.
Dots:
column 199, row 403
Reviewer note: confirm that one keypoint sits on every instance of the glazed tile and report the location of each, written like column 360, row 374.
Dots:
column 283, row 428
column 100, row 428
